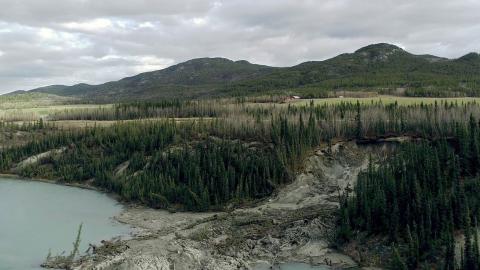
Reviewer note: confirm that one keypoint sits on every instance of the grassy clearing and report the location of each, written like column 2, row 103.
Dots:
column 78, row 124
column 32, row 100
column 74, row 124
column 31, row 112
column 46, row 110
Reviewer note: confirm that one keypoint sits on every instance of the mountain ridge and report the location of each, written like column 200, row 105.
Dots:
column 374, row 66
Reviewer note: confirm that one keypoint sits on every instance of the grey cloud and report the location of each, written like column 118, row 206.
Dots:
column 70, row 41
column 48, row 11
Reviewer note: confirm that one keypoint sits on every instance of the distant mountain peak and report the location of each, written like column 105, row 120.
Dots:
column 473, row 56
column 245, row 62
column 380, row 47
column 208, row 60
column 379, row 52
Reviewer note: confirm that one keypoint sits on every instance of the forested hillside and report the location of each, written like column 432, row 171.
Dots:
column 208, row 162
column 195, row 78
column 419, row 201
column 210, row 155
column 381, row 68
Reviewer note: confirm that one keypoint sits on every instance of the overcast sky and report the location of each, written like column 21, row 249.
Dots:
column 45, row 42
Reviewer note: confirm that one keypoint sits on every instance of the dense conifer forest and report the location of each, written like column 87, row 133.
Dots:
column 207, row 155
column 420, row 200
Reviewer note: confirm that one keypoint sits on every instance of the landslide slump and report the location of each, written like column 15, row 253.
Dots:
column 295, row 224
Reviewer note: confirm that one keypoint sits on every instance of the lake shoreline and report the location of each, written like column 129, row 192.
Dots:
column 278, row 225
column 60, row 183
column 57, row 211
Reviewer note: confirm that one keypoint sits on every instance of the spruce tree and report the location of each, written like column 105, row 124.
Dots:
column 397, row 262
column 449, row 260
column 358, row 121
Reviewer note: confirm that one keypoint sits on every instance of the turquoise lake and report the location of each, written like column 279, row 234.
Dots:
column 36, row 217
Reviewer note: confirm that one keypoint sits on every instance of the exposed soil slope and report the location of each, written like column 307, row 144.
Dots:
column 294, row 225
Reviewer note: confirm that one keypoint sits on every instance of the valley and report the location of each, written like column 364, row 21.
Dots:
column 338, row 164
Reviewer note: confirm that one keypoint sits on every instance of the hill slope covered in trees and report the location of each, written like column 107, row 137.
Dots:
column 380, row 67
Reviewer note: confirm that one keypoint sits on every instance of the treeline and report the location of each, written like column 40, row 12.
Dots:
column 443, row 93
column 39, row 124
column 419, row 200
column 140, row 110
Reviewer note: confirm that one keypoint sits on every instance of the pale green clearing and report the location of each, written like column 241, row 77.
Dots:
column 32, row 100
column 46, row 110
column 35, row 113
